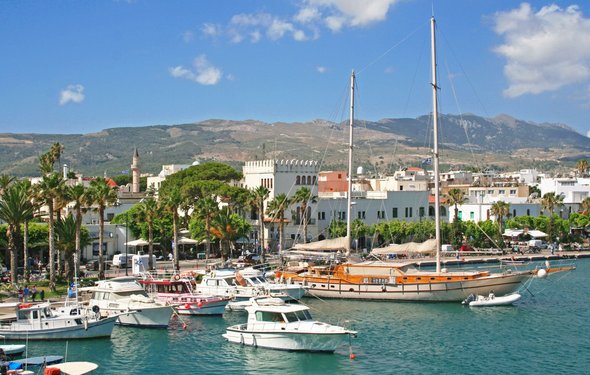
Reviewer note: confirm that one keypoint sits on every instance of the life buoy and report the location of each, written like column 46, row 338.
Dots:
column 177, row 277
column 25, row 305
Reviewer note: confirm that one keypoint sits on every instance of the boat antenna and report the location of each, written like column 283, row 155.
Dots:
column 435, row 150
column 349, row 188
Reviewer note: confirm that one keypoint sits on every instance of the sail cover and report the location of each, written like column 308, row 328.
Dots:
column 408, row 247
column 333, row 244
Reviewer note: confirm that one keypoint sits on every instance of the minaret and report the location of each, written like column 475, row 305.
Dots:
column 135, row 172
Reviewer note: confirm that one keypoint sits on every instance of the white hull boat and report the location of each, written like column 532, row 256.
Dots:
column 179, row 293
column 12, row 351
column 40, row 322
column 126, row 298
column 491, row 300
column 277, row 325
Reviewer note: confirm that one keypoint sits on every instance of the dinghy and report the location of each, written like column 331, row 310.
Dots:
column 491, row 300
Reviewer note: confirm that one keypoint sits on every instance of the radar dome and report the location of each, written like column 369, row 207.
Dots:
column 359, row 170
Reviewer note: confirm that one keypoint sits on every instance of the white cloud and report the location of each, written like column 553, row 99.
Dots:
column 588, row 134
column 544, row 50
column 203, row 72
column 340, row 13
column 73, row 93
column 210, row 29
column 187, row 36
column 321, row 69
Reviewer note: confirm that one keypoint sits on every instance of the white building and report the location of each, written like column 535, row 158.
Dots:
column 154, row 182
column 573, row 189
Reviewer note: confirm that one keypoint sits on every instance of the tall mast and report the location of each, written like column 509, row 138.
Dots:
column 349, row 188
column 435, row 151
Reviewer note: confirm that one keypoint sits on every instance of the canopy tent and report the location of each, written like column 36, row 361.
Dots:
column 187, row 241
column 333, row 244
column 409, row 247
column 513, row 233
column 140, row 242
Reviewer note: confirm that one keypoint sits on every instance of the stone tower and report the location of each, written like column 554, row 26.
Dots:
column 135, row 172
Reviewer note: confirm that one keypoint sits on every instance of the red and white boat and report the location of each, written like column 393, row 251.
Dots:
column 179, row 292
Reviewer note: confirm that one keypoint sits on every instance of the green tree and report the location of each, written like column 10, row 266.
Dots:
column 456, row 197
column 171, row 200
column 227, row 227
column 79, row 196
column 550, row 202
column 207, row 208
column 500, row 210
column 67, row 239
column 259, row 195
column 276, row 209
column 47, row 191
column 582, row 167
column 15, row 208
column 304, row 197
column 102, row 196
column 147, row 211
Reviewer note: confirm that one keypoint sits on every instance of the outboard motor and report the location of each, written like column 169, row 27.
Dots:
column 469, row 298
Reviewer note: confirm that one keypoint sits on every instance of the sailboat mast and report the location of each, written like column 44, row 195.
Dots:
column 435, row 150
column 349, row 187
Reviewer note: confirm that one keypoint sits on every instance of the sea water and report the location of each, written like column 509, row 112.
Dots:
column 546, row 332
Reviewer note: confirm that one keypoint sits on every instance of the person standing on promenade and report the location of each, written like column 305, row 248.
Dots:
column 42, row 294
column 33, row 293
column 20, row 294
column 26, row 293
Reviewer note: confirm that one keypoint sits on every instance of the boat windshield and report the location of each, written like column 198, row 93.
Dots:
column 298, row 315
column 269, row 316
column 256, row 280
column 126, row 294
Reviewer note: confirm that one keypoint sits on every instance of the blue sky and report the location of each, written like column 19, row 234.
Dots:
column 83, row 66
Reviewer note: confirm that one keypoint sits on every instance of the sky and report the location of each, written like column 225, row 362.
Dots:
column 70, row 67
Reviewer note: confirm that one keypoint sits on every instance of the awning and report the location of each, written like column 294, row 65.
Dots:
column 139, row 242
column 517, row 232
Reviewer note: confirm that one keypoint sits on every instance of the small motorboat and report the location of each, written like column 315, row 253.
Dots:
column 491, row 300
column 74, row 368
column 278, row 325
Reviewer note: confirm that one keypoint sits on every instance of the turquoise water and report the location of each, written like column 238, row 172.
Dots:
column 545, row 333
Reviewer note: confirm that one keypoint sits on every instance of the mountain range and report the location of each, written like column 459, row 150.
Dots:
column 467, row 141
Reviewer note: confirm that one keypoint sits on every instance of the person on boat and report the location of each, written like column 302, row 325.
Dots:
column 491, row 296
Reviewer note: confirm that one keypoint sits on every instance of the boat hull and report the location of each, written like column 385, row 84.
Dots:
column 455, row 291
column 101, row 328
column 495, row 301
column 290, row 341
column 147, row 317
column 209, row 308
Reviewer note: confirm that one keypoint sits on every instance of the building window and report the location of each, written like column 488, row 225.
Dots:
column 361, row 214
column 298, row 180
column 472, row 216
column 514, row 213
column 321, row 215
column 408, row 211
column 421, row 212
column 110, row 216
column 528, row 212
column 460, row 214
column 513, row 192
column 490, row 192
column 501, row 192
column 401, row 187
column 380, row 214
column 315, row 181
column 394, row 212
column 309, row 180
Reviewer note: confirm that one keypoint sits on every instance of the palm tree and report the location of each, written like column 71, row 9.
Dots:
column 15, row 208
column 582, row 167
column 259, row 195
column 55, row 151
column 456, row 197
column 550, row 202
column 585, row 206
column 67, row 239
column 5, row 181
column 47, row 191
column 147, row 212
column 102, row 195
column 79, row 196
column 500, row 210
column 33, row 206
column 276, row 209
column 171, row 200
column 304, row 197
column 207, row 208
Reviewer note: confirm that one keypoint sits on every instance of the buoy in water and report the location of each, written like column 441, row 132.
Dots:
column 352, row 356
column 541, row 274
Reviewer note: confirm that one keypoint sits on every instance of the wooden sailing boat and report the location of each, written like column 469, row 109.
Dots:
column 378, row 280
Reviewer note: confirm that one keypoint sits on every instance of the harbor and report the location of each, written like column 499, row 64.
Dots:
column 544, row 330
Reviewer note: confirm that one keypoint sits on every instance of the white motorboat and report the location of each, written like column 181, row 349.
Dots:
column 224, row 283
column 491, row 300
column 255, row 278
column 12, row 351
column 41, row 322
column 278, row 325
column 75, row 368
column 241, row 305
column 127, row 299
column 179, row 292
